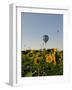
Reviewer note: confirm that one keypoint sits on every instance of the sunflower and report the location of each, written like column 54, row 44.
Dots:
column 37, row 60
column 48, row 58
column 53, row 59
column 54, row 49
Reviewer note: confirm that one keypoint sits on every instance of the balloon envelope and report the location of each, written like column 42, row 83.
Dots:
column 45, row 38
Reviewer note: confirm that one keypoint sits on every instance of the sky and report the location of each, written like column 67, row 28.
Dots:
column 35, row 25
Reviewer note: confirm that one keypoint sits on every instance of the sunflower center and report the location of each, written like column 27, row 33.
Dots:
column 37, row 61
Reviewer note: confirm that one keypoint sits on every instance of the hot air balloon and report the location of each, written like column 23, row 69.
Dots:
column 45, row 38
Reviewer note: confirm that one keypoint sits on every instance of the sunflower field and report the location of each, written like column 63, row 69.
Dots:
column 46, row 62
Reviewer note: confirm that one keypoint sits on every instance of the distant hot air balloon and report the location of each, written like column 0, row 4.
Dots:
column 45, row 38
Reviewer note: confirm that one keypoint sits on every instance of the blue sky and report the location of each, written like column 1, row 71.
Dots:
column 35, row 25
